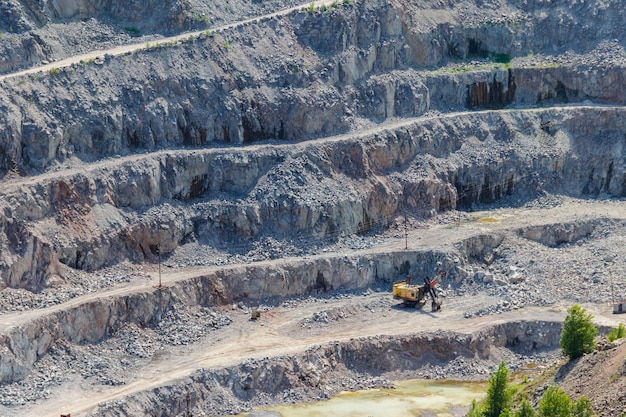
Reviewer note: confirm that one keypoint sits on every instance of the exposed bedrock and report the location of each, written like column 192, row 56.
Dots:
column 90, row 322
column 431, row 31
column 326, row 370
column 553, row 235
column 293, row 77
column 124, row 208
column 39, row 31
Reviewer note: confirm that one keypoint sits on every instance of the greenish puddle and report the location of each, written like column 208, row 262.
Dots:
column 410, row 399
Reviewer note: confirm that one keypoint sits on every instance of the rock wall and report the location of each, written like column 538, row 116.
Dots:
column 557, row 234
column 335, row 66
column 123, row 208
column 326, row 370
column 25, row 342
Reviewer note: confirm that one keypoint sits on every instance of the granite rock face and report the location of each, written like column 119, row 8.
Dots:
column 123, row 208
column 229, row 137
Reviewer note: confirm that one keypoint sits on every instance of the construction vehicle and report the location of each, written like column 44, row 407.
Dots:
column 414, row 295
column 255, row 315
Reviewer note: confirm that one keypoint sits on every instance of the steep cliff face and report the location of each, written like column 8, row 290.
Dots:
column 90, row 322
column 336, row 67
column 326, row 370
column 36, row 31
column 294, row 134
column 308, row 74
column 102, row 214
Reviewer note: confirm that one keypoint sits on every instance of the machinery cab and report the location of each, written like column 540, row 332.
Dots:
column 414, row 295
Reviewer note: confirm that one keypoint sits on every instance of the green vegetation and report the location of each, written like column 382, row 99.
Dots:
column 554, row 403
column 501, row 58
column 617, row 333
column 502, row 398
column 525, row 410
column 200, row 17
column 582, row 408
column 132, row 31
column 499, row 393
column 311, row 8
column 578, row 334
column 54, row 71
column 463, row 68
column 497, row 403
column 226, row 44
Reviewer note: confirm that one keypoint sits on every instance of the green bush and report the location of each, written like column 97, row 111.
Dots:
column 617, row 333
column 578, row 334
column 132, row 31
column 475, row 409
column 582, row 408
column 499, row 394
column 555, row 403
column 502, row 58
column 525, row 410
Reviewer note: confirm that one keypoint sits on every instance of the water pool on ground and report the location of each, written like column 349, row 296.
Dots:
column 411, row 398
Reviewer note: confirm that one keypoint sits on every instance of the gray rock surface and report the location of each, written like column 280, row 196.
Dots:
column 313, row 135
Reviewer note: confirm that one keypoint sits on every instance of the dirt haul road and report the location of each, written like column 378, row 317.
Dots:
column 284, row 330
column 279, row 333
column 124, row 49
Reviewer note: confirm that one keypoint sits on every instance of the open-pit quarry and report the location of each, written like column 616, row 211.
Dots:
column 169, row 168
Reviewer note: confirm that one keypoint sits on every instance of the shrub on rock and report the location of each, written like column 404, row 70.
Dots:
column 578, row 334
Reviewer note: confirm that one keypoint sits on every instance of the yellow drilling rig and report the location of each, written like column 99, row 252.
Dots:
column 414, row 295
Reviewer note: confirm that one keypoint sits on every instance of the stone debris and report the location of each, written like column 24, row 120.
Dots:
column 174, row 179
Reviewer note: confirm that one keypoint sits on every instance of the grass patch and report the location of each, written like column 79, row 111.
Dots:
column 132, row 31
column 527, row 388
column 501, row 58
column 617, row 333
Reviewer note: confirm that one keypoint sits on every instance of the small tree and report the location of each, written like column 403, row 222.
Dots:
column 582, row 408
column 617, row 333
column 555, row 403
column 525, row 410
column 499, row 394
column 475, row 409
column 577, row 337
